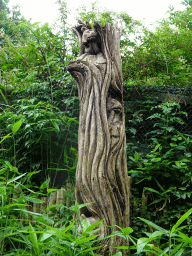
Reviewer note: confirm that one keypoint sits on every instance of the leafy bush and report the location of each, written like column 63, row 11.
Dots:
column 164, row 173
column 45, row 140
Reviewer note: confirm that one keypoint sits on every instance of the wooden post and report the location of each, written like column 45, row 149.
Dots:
column 68, row 188
column 52, row 199
column 43, row 205
column 101, row 175
column 143, row 203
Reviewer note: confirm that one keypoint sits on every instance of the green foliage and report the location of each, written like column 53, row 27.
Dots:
column 175, row 242
column 39, row 123
column 34, row 146
column 42, row 236
column 163, row 172
column 169, row 149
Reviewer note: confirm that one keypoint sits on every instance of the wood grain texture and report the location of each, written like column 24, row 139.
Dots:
column 101, row 175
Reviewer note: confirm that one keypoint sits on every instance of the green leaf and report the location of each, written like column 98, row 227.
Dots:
column 136, row 156
column 60, row 247
column 34, row 200
column 72, row 120
column 84, row 240
column 164, row 231
column 3, row 96
column 32, row 173
column 155, row 160
column 127, row 231
column 53, row 250
column 176, row 249
column 156, row 147
column 183, row 218
column 141, row 242
column 132, row 130
column 33, row 237
column 16, row 126
column 152, row 190
column 122, row 247
column 159, row 185
column 92, row 249
column 5, row 137
column 79, row 206
column 180, row 147
column 68, row 227
column 119, row 253
column 55, row 125
column 14, row 179
column 92, row 226
column 45, row 237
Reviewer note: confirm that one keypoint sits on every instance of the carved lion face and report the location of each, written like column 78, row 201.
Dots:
column 91, row 41
column 89, row 35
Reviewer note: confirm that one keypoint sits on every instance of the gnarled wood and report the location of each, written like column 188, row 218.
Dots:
column 101, row 176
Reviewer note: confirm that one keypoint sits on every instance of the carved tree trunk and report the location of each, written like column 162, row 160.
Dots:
column 101, row 175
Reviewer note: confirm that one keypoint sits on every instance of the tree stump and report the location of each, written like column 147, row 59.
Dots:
column 101, row 175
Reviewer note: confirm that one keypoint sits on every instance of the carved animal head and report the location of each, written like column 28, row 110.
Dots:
column 91, row 41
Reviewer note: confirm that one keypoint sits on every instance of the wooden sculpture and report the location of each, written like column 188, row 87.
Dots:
column 101, row 175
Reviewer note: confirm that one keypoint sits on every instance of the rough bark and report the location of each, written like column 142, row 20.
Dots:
column 101, row 175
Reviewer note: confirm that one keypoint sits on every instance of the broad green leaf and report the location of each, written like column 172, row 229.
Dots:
column 183, row 218
column 136, row 156
column 16, row 126
column 154, row 234
column 127, row 231
column 141, row 242
column 164, row 231
column 45, row 236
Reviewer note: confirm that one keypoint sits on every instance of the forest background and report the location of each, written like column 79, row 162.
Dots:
column 39, row 123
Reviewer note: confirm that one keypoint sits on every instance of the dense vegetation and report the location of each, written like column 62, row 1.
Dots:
column 39, row 123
